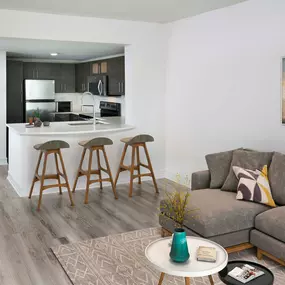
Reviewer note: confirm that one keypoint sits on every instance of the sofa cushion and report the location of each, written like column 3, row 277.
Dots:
column 246, row 159
column 277, row 177
column 254, row 185
column 219, row 166
column 218, row 212
column 272, row 222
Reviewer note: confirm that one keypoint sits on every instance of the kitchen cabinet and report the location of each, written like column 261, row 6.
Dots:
column 116, row 76
column 100, row 67
column 38, row 70
column 82, row 71
column 15, row 93
column 63, row 74
column 64, row 78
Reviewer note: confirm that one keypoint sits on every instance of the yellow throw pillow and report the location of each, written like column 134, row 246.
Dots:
column 254, row 185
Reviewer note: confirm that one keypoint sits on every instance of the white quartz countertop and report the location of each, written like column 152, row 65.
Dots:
column 110, row 124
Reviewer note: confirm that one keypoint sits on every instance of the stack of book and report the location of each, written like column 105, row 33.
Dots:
column 207, row 254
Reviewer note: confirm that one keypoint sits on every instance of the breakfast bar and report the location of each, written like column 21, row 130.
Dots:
column 23, row 157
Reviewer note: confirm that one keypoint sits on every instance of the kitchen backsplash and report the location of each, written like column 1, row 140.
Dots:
column 79, row 99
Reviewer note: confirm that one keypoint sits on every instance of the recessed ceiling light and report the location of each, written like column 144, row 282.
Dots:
column 54, row 54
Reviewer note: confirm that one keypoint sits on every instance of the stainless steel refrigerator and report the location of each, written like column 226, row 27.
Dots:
column 40, row 97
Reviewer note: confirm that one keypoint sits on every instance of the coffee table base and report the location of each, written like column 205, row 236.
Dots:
column 187, row 279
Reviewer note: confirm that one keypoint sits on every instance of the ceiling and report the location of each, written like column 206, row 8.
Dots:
column 70, row 51
column 160, row 11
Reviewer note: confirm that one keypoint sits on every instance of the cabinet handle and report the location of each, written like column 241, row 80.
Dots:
column 122, row 91
column 22, row 93
column 119, row 87
column 64, row 87
column 33, row 74
column 37, row 74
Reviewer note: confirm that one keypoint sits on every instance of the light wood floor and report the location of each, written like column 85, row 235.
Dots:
column 27, row 235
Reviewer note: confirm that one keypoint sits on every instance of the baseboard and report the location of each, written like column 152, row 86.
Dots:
column 3, row 161
column 14, row 185
column 122, row 180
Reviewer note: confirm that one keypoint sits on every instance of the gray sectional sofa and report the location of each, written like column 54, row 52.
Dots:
column 236, row 224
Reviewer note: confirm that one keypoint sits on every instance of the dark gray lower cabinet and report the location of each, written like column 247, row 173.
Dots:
column 15, row 92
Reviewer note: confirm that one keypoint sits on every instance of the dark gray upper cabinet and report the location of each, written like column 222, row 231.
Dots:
column 30, row 70
column 116, row 76
column 65, row 78
column 15, row 99
column 63, row 74
column 82, row 71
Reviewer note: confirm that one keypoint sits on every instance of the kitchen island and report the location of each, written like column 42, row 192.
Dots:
column 23, row 157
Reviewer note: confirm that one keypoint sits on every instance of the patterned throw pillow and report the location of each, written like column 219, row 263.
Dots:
column 254, row 185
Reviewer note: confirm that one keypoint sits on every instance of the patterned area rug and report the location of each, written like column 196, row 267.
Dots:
column 120, row 260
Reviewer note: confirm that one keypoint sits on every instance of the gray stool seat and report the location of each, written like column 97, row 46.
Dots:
column 138, row 139
column 51, row 145
column 96, row 142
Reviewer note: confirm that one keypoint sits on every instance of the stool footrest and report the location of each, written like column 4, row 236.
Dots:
column 100, row 180
column 144, row 165
column 105, row 170
column 54, row 186
column 142, row 175
column 48, row 176
column 86, row 172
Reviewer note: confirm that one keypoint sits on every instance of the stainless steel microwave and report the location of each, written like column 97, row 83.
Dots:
column 98, row 85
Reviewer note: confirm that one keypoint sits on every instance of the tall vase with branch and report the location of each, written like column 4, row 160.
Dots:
column 176, row 206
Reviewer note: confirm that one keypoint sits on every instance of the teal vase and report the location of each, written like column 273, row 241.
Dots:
column 179, row 248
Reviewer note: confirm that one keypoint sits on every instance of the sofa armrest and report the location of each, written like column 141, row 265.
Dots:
column 200, row 180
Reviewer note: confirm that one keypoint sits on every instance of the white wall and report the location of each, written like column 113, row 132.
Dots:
column 3, row 108
column 145, row 58
column 223, row 83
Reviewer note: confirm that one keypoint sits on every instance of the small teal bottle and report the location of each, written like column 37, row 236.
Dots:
column 179, row 249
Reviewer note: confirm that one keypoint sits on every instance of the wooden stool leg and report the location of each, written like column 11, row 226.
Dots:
column 99, row 167
column 88, row 175
column 36, row 172
column 161, row 278
column 42, row 180
column 151, row 169
column 121, row 163
column 211, row 279
column 79, row 169
column 132, row 167
column 65, row 177
column 57, row 172
column 110, row 173
column 139, row 162
column 187, row 280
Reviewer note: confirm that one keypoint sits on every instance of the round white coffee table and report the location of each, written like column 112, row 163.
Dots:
column 158, row 254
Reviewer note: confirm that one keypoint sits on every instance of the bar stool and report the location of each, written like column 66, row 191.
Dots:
column 135, row 143
column 47, row 148
column 95, row 144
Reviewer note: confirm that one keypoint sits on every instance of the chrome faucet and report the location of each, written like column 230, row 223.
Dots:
column 94, row 109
